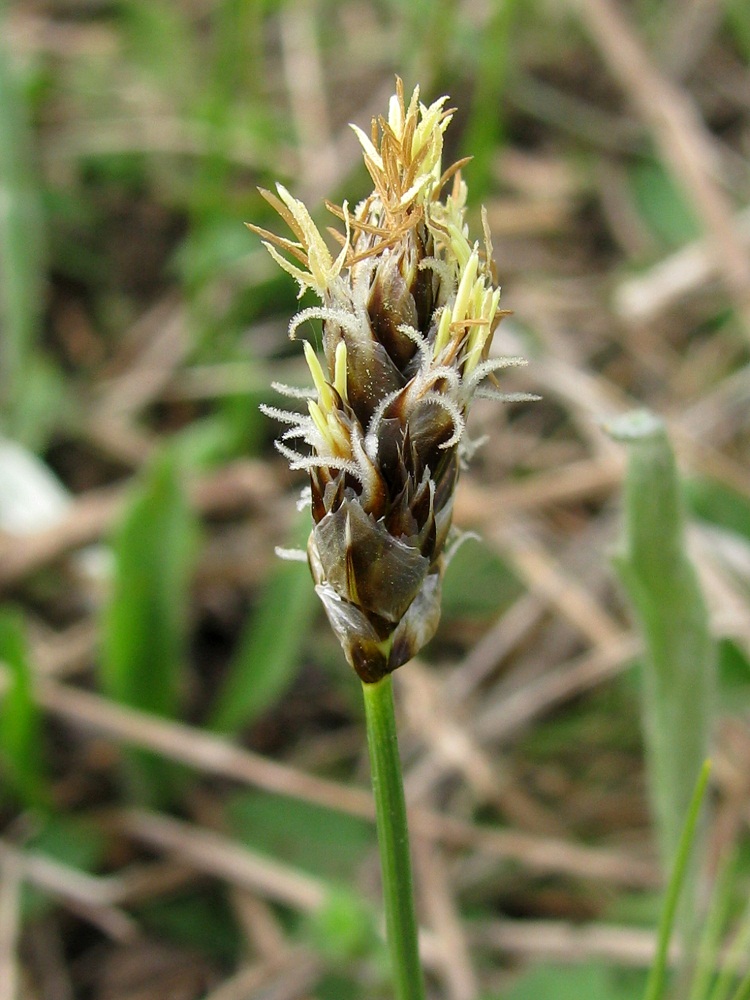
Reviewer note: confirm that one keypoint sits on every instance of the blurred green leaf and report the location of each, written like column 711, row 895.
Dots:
column 214, row 245
column 157, row 38
column 718, row 504
column 345, row 928
column 662, row 205
column 234, row 431
column 477, row 582
column 228, row 75
column 43, row 405
column 301, row 834
column 637, row 909
column 199, row 918
column 20, row 722
column 590, row 981
column 734, row 676
column 145, row 621
column 679, row 663
column 22, row 251
column 426, row 30
column 340, row 987
column 485, row 134
column 738, row 20
column 734, row 965
column 70, row 841
column 708, row 957
column 268, row 657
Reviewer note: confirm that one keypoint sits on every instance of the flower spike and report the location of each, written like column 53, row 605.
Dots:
column 409, row 307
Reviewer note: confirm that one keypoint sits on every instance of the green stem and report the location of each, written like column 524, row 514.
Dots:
column 393, row 840
column 655, row 987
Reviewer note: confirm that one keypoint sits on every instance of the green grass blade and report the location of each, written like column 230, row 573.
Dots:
column 716, row 922
column 485, row 133
column 735, row 959
column 268, row 656
column 20, row 724
column 427, row 28
column 679, row 659
column 657, row 976
column 145, row 622
column 743, row 990
column 738, row 22
column 22, row 257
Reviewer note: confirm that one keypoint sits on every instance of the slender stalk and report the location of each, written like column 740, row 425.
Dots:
column 655, row 987
column 393, row 840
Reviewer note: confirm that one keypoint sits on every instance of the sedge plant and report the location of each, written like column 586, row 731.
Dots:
column 409, row 306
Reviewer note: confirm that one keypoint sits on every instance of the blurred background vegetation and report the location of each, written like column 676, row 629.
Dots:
column 184, row 800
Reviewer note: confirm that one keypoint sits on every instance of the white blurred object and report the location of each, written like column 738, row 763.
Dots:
column 33, row 499
column 31, row 496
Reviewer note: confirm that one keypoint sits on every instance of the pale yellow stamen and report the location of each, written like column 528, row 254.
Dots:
column 465, row 289
column 339, row 379
column 325, row 396
column 333, row 434
column 468, row 323
column 443, row 333
column 318, row 417
column 324, row 411
column 396, row 116
column 477, row 339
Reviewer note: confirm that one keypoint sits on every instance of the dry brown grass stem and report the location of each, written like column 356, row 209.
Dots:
column 289, row 976
column 89, row 896
column 588, row 477
column 514, row 708
column 11, row 881
column 303, row 74
column 223, row 858
column 504, row 719
column 559, row 941
column 455, row 966
column 241, row 486
column 682, row 139
column 643, row 298
column 555, row 585
column 498, row 641
column 212, row 755
column 152, row 349
column 452, row 747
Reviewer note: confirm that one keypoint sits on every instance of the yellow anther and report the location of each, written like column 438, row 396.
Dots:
column 396, row 116
column 443, row 334
column 318, row 418
column 338, row 437
column 465, row 289
column 339, row 379
column 488, row 301
column 459, row 245
column 474, row 346
column 325, row 396
column 334, row 435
